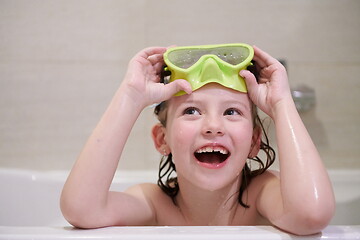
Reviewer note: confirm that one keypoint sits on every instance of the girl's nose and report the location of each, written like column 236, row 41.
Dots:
column 213, row 127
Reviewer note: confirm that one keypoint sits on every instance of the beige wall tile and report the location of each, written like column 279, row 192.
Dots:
column 73, row 31
column 61, row 62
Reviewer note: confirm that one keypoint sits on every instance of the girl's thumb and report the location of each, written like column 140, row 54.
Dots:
column 250, row 80
column 177, row 86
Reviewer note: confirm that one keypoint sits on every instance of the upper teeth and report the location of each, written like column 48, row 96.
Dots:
column 212, row 149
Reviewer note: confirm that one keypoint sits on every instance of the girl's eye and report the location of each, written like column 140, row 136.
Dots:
column 191, row 111
column 232, row 111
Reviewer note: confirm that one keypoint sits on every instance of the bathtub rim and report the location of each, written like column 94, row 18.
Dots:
column 174, row 233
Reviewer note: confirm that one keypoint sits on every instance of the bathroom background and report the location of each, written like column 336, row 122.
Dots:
column 61, row 62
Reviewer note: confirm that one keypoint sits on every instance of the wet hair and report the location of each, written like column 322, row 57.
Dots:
column 168, row 182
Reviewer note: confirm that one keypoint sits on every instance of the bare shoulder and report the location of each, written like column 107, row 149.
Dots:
column 252, row 215
column 142, row 187
column 263, row 188
column 259, row 183
column 162, row 205
column 265, row 178
column 149, row 192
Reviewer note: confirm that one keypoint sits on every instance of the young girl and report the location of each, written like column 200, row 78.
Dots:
column 207, row 134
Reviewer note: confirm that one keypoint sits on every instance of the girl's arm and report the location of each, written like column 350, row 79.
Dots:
column 86, row 201
column 302, row 200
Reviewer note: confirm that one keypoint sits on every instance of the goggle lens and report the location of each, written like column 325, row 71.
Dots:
column 185, row 58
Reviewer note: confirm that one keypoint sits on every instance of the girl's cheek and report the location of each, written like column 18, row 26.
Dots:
column 183, row 133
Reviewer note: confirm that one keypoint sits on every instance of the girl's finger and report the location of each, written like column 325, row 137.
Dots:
column 262, row 58
column 145, row 53
column 250, row 79
column 153, row 59
column 176, row 86
column 159, row 67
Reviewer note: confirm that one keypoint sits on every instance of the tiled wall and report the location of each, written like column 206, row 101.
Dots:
column 62, row 60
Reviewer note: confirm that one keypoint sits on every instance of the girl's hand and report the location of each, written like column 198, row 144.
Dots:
column 142, row 80
column 272, row 87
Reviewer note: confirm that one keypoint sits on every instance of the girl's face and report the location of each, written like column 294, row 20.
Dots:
column 210, row 135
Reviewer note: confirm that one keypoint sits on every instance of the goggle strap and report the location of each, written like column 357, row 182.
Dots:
column 164, row 74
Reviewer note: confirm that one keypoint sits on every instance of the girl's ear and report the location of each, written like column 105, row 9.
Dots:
column 158, row 136
column 255, row 143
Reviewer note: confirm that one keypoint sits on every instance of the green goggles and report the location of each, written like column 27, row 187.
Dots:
column 200, row 65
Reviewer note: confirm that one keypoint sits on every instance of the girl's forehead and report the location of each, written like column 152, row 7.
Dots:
column 212, row 93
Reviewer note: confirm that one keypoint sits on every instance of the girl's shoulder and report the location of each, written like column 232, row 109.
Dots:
column 268, row 175
column 258, row 183
column 148, row 191
column 251, row 198
column 167, row 213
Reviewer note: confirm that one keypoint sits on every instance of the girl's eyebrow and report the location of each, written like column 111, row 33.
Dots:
column 224, row 103
column 192, row 101
column 236, row 102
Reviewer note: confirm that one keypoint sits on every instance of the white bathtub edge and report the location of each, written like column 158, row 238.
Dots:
column 173, row 233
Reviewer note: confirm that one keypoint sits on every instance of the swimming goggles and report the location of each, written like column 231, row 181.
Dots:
column 200, row 65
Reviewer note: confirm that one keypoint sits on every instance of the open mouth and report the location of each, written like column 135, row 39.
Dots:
column 212, row 155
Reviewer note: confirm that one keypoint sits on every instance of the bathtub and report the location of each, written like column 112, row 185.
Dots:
column 29, row 209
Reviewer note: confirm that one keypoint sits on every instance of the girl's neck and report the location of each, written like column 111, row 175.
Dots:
column 203, row 207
